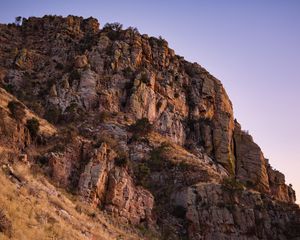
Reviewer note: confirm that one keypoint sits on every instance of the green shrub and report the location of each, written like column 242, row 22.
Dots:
column 53, row 114
column 33, row 126
column 9, row 88
column 42, row 160
column 183, row 166
column 122, row 160
column 142, row 171
column 134, row 30
column 113, row 26
column 59, row 66
column 113, row 30
column 105, row 138
column 70, row 133
column 17, row 110
column 141, row 127
column 144, row 78
column 232, row 184
column 161, row 41
column 104, row 116
column 128, row 72
column 158, row 157
column 74, row 75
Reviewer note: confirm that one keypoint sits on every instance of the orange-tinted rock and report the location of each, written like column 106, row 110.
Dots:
column 251, row 167
column 81, row 61
column 123, row 197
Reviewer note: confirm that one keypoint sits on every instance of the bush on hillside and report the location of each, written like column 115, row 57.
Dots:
column 232, row 184
column 17, row 110
column 33, row 126
column 141, row 127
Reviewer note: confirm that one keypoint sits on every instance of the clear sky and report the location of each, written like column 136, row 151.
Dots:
column 253, row 47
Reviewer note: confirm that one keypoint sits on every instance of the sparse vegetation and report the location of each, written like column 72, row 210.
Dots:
column 144, row 78
column 141, row 127
column 158, row 157
column 18, row 20
column 53, row 114
column 161, row 41
column 134, row 30
column 142, row 172
column 232, row 184
column 31, row 206
column 33, row 126
column 113, row 30
column 122, row 159
column 113, row 26
column 17, row 110
column 74, row 75
column 128, row 72
column 105, row 138
column 9, row 88
column 104, row 116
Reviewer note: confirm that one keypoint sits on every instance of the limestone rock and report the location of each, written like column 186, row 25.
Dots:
column 87, row 88
column 215, row 213
column 81, row 61
column 251, row 166
column 65, row 164
column 278, row 187
column 133, row 203
column 93, row 180
column 99, row 82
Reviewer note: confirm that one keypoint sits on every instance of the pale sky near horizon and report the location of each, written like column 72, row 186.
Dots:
column 253, row 47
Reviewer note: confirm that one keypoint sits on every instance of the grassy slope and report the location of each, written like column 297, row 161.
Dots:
column 38, row 210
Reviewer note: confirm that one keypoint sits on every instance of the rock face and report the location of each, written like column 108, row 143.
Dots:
column 216, row 213
column 251, row 166
column 131, row 202
column 139, row 132
column 93, row 181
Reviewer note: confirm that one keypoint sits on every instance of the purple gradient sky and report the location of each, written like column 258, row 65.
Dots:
column 253, row 47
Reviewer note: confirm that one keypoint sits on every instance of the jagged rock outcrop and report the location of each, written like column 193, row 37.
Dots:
column 215, row 212
column 66, row 163
column 139, row 132
column 93, row 181
column 278, row 187
column 127, row 200
column 251, row 166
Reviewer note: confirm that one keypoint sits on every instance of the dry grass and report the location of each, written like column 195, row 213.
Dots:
column 38, row 210
column 45, row 127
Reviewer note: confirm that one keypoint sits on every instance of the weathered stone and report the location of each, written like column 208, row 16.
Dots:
column 108, row 79
column 251, row 166
column 81, row 61
column 93, row 180
column 129, row 201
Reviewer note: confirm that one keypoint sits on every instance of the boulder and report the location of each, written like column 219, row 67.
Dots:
column 81, row 61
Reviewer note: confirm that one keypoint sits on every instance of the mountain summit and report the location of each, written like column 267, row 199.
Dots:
column 111, row 135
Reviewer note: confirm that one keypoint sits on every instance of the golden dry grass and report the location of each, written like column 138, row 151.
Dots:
column 45, row 127
column 40, row 211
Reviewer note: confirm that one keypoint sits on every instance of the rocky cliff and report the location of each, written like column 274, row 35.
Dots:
column 137, row 132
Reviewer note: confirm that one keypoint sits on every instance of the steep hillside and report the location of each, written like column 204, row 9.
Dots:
column 128, row 128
